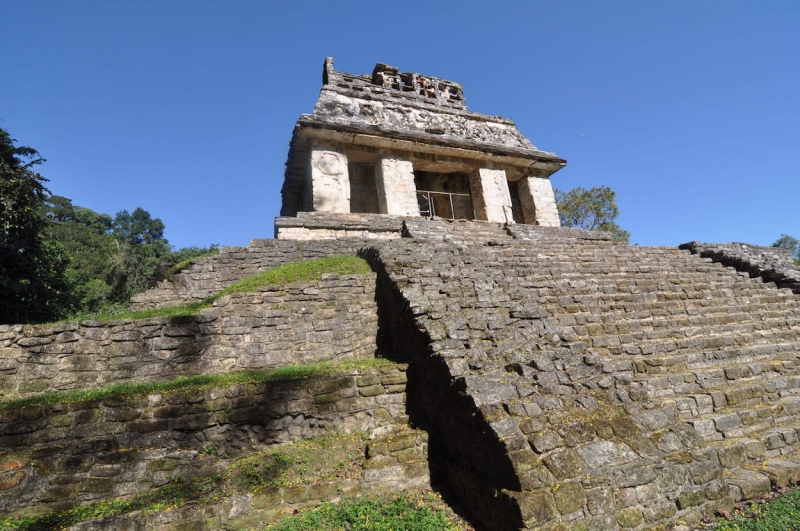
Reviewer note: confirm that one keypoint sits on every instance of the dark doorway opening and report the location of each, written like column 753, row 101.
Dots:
column 363, row 188
column 516, row 205
column 444, row 195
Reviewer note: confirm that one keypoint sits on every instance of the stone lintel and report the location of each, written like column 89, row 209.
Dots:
column 532, row 162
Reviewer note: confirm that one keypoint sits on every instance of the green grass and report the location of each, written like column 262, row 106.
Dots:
column 180, row 266
column 413, row 511
column 174, row 494
column 300, row 271
column 782, row 513
column 199, row 382
column 308, row 270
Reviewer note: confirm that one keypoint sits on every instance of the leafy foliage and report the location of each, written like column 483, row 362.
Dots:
column 781, row 513
column 32, row 282
column 594, row 209
column 790, row 243
column 400, row 512
column 109, row 258
column 59, row 259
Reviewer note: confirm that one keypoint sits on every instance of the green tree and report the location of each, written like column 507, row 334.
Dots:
column 91, row 249
column 110, row 258
column 791, row 243
column 142, row 249
column 138, row 228
column 594, row 209
column 32, row 282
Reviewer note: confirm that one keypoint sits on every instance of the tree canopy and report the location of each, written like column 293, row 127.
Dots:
column 594, row 209
column 110, row 259
column 58, row 259
column 32, row 284
column 791, row 243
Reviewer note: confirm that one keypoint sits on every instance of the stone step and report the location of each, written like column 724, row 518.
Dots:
column 769, row 385
column 592, row 293
column 760, row 422
column 647, row 348
column 737, row 358
column 675, row 321
column 708, row 369
column 625, row 287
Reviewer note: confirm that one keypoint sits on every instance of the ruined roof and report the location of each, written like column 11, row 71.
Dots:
column 414, row 107
column 408, row 112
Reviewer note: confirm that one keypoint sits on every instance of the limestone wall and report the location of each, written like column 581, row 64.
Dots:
column 583, row 383
column 565, row 380
column 328, row 226
column 58, row 454
column 304, row 322
column 207, row 276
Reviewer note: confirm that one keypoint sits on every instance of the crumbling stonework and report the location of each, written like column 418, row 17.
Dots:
column 371, row 137
column 564, row 380
column 773, row 264
column 591, row 384
column 207, row 276
column 58, row 454
column 306, row 322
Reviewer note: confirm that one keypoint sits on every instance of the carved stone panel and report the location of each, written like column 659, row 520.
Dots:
column 330, row 182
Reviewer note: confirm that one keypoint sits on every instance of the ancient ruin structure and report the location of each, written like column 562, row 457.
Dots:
column 404, row 144
column 548, row 378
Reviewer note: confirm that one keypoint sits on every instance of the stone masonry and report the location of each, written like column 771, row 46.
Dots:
column 59, row 454
column 562, row 380
column 591, row 385
column 306, row 322
column 405, row 144
column 567, row 381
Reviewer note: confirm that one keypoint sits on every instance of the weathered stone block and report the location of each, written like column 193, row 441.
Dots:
column 732, row 456
column 629, row 518
column 751, row 484
column 690, row 497
column 546, row 441
column 564, row 464
column 568, row 497
column 606, row 453
column 537, row 507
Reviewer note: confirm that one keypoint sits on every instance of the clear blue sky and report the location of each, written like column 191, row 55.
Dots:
column 689, row 110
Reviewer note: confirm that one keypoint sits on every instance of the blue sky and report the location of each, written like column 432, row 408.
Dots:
column 688, row 110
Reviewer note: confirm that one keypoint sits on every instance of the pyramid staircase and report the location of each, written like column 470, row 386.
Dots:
column 570, row 382
column 609, row 385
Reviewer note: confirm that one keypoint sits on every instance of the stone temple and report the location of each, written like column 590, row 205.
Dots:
column 545, row 378
column 405, row 144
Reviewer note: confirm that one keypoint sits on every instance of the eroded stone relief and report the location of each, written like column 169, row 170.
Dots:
column 402, row 124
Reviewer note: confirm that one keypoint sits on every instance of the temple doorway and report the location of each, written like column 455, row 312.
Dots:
column 444, row 195
column 363, row 188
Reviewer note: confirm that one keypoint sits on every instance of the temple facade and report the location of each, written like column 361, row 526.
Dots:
column 404, row 144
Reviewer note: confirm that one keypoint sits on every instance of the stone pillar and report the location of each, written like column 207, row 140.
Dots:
column 538, row 202
column 397, row 194
column 490, row 196
column 330, row 182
